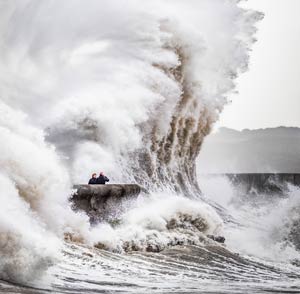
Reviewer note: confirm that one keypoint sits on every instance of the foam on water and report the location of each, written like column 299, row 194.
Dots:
column 127, row 88
column 159, row 221
column 264, row 225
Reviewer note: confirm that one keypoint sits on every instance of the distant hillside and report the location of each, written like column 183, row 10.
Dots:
column 262, row 150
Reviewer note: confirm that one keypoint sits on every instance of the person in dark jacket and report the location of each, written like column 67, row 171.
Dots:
column 102, row 179
column 93, row 179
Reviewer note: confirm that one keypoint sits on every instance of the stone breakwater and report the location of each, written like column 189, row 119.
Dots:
column 264, row 182
column 101, row 201
column 104, row 202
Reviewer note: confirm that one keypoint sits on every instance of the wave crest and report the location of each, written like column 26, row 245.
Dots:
column 158, row 222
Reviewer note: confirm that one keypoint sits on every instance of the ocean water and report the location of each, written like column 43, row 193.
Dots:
column 258, row 256
column 131, row 90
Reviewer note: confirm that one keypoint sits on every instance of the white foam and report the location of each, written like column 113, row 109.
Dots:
column 159, row 221
column 262, row 223
column 94, row 79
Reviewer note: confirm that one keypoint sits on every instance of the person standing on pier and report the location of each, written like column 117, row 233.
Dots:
column 102, row 179
column 93, row 179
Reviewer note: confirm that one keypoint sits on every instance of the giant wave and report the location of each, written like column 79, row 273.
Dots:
column 130, row 88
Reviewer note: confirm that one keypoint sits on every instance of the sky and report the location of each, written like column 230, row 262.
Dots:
column 269, row 93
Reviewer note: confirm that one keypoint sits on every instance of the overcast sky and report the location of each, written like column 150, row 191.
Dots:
column 269, row 94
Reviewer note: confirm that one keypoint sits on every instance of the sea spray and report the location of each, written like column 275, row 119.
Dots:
column 262, row 225
column 118, row 86
column 27, row 248
column 139, row 85
column 35, row 212
column 160, row 221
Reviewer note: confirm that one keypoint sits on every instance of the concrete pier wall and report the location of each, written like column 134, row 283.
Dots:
column 264, row 182
column 102, row 201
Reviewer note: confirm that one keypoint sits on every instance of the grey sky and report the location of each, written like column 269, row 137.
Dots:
column 269, row 94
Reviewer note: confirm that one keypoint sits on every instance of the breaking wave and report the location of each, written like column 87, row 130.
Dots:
column 261, row 225
column 115, row 85
column 158, row 222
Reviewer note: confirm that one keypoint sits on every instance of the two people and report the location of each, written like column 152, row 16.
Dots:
column 101, row 180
